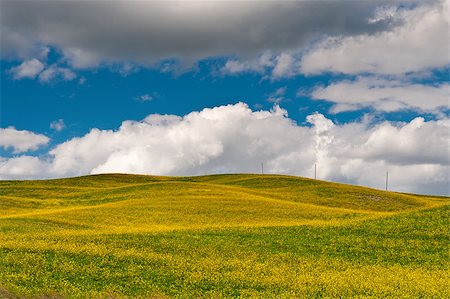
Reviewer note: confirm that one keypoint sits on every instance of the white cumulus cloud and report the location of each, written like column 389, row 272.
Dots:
column 384, row 95
column 260, row 64
column 21, row 140
column 23, row 167
column 285, row 66
column 420, row 44
column 27, row 69
column 234, row 138
column 54, row 72
column 34, row 68
column 274, row 66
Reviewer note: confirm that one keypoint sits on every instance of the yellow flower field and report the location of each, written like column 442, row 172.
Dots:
column 221, row 236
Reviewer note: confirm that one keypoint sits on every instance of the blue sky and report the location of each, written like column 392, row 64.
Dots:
column 107, row 97
column 356, row 80
column 104, row 98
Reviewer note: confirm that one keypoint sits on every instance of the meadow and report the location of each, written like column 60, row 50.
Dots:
column 219, row 236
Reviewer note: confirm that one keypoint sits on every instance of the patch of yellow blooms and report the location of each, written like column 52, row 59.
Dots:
column 67, row 238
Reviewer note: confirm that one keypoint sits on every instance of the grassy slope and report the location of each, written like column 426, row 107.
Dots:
column 219, row 236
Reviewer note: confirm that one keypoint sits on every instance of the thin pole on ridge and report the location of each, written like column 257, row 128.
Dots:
column 387, row 180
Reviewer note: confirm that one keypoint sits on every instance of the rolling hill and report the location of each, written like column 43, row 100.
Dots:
column 219, row 236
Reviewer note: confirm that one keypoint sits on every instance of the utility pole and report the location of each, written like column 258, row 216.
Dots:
column 315, row 171
column 387, row 180
column 262, row 168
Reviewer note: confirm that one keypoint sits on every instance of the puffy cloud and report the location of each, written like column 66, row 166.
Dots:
column 200, row 142
column 412, row 143
column 27, row 69
column 257, row 65
column 150, row 31
column 416, row 142
column 21, row 140
column 234, row 138
column 58, row 125
column 421, row 43
column 384, row 95
column 271, row 65
column 284, row 66
column 23, row 167
column 54, row 72
column 33, row 68
column 416, row 44
column 236, row 67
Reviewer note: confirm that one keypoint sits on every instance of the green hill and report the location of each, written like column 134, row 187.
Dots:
column 217, row 236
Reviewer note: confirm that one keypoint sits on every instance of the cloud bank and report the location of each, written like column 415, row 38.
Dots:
column 419, row 44
column 234, row 138
column 89, row 33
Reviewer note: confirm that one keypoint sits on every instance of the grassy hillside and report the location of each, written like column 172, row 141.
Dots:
column 219, row 236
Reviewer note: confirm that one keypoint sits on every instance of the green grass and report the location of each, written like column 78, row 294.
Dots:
column 219, row 236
